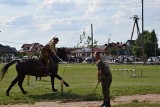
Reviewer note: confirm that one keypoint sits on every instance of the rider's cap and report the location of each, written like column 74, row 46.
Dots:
column 56, row 39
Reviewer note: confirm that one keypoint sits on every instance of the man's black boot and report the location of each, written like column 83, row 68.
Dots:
column 107, row 104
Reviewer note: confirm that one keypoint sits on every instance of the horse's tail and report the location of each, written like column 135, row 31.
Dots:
column 5, row 68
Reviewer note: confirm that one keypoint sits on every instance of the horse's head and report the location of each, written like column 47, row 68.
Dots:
column 61, row 56
column 61, row 53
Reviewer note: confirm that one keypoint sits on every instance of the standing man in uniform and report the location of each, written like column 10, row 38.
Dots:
column 105, row 77
column 47, row 52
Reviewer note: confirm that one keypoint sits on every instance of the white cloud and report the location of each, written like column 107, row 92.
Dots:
column 50, row 3
column 118, row 17
column 22, row 32
column 67, row 18
column 19, row 20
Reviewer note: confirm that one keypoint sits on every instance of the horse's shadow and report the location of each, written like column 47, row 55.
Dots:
column 65, row 97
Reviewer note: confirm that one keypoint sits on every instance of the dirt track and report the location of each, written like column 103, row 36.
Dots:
column 152, row 98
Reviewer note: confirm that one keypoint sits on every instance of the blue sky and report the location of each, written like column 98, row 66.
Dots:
column 30, row 21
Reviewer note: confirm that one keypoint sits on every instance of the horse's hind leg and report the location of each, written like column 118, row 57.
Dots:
column 20, row 84
column 12, row 84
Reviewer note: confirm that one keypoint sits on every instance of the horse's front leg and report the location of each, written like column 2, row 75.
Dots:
column 52, row 82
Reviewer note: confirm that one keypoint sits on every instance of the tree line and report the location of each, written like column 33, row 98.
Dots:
column 150, row 44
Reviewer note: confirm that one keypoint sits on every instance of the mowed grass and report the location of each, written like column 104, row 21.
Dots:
column 83, row 79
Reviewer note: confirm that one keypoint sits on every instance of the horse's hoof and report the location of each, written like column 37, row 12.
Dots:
column 7, row 94
column 67, row 85
column 25, row 92
column 55, row 90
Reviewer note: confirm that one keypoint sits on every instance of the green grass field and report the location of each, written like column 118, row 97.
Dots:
column 83, row 79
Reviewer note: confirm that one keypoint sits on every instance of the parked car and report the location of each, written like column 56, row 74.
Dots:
column 125, row 59
column 71, row 59
column 79, row 59
column 89, row 59
column 15, row 58
column 25, row 58
column 153, row 60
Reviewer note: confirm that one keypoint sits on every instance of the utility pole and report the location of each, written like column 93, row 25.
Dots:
column 142, row 18
column 109, row 53
column 135, row 18
column 155, row 46
column 92, row 41
column 142, row 36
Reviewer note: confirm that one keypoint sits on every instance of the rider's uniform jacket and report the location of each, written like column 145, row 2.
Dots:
column 51, row 46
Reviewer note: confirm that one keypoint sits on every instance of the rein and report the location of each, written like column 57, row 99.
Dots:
column 65, row 65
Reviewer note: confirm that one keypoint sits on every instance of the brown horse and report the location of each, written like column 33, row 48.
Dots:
column 33, row 67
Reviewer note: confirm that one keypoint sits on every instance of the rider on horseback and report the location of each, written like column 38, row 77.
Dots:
column 45, row 53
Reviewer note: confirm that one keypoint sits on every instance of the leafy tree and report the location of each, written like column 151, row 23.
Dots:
column 86, row 41
column 150, row 44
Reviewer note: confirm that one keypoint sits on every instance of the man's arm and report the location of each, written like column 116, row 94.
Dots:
column 99, row 73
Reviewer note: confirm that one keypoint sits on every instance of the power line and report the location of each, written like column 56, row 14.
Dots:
column 13, row 42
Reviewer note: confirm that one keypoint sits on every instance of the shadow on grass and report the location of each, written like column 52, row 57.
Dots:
column 65, row 97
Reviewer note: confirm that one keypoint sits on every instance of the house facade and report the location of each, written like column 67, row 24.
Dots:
column 30, row 49
column 114, row 49
column 87, row 52
column 7, row 53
